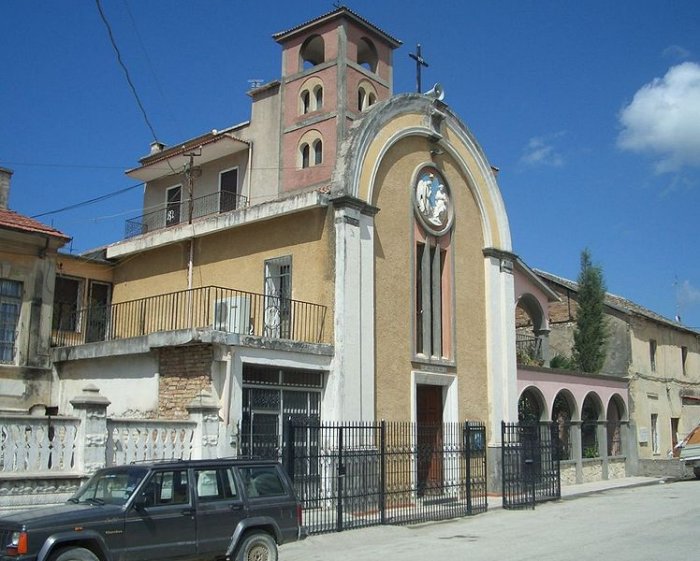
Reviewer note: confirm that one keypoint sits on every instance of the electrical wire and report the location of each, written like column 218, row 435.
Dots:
column 126, row 71
column 88, row 202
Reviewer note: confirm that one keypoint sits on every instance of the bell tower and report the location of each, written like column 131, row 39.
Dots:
column 334, row 68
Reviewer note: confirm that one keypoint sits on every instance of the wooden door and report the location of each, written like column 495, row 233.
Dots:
column 429, row 436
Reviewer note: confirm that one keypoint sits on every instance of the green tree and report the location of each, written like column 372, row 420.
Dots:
column 590, row 334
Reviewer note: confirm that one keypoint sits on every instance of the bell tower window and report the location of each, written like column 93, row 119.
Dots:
column 312, row 52
column 367, row 55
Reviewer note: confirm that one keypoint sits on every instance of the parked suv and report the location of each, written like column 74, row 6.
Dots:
column 186, row 510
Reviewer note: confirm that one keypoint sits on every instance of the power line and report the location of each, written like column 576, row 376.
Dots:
column 126, row 71
column 89, row 202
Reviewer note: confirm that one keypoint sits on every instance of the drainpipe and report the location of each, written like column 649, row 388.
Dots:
column 249, row 172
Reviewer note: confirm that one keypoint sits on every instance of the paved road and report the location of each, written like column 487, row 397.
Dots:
column 651, row 523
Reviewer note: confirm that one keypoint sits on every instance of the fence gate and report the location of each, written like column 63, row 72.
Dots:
column 351, row 475
column 530, row 464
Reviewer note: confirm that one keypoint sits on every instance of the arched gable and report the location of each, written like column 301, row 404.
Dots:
column 409, row 115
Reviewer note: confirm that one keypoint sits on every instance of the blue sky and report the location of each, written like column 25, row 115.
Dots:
column 591, row 110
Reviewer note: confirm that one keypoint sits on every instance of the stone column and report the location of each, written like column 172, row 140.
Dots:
column 543, row 336
column 576, row 452
column 91, row 440
column 204, row 410
column 602, row 430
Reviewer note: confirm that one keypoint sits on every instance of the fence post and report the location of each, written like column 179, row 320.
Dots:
column 468, row 476
column 341, row 481
column 91, row 439
column 204, row 411
column 382, row 471
column 288, row 450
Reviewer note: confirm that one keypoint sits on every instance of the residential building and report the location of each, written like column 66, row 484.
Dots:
column 658, row 358
column 28, row 251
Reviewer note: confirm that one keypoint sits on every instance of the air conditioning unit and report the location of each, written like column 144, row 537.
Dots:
column 233, row 315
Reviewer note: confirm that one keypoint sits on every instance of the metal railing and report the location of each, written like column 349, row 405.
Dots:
column 351, row 475
column 528, row 349
column 171, row 214
column 223, row 309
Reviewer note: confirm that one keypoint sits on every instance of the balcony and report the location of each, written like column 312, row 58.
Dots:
column 221, row 309
column 528, row 350
column 170, row 214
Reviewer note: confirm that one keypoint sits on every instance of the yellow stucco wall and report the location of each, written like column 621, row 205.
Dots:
column 235, row 259
column 394, row 285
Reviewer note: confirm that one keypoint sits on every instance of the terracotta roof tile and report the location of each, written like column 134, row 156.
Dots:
column 11, row 220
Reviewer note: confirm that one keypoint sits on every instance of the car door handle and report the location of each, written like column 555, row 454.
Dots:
column 236, row 507
column 187, row 512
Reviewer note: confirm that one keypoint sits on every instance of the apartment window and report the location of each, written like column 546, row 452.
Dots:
column 654, row 433
column 66, row 303
column 684, row 359
column 674, row 433
column 228, row 190
column 173, row 199
column 10, row 305
column 652, row 354
column 278, row 294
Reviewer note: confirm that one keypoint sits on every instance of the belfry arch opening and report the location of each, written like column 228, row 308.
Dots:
column 367, row 56
column 312, row 52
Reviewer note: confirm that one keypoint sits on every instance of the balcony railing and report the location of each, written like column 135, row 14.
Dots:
column 170, row 214
column 222, row 309
column 528, row 349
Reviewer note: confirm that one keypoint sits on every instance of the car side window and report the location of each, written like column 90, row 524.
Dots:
column 215, row 484
column 167, row 488
column 262, row 481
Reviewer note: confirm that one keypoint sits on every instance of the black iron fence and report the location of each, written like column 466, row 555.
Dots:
column 223, row 309
column 170, row 214
column 530, row 455
column 352, row 475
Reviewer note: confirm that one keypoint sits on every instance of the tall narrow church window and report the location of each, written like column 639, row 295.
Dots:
column 318, row 94
column 432, row 294
column 318, row 152
column 304, row 156
column 305, row 102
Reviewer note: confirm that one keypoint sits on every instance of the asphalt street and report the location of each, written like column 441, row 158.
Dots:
column 650, row 523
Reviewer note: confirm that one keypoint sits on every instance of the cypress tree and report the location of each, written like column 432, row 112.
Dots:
column 590, row 334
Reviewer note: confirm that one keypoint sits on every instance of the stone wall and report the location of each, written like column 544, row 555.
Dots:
column 671, row 468
column 21, row 491
column 184, row 373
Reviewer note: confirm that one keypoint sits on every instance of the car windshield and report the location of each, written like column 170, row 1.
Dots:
column 111, row 486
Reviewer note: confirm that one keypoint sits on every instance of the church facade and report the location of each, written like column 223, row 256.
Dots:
column 344, row 255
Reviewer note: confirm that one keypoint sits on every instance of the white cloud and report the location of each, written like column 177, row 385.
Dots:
column 688, row 294
column 540, row 150
column 663, row 119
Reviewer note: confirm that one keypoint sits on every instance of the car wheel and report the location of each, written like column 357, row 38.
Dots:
column 258, row 546
column 74, row 554
column 696, row 471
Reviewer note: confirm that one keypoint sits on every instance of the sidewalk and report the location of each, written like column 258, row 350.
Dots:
column 583, row 489
column 499, row 534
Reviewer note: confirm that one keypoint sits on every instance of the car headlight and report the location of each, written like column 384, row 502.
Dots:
column 17, row 544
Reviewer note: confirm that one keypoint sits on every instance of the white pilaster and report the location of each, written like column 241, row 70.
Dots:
column 500, row 325
column 350, row 391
